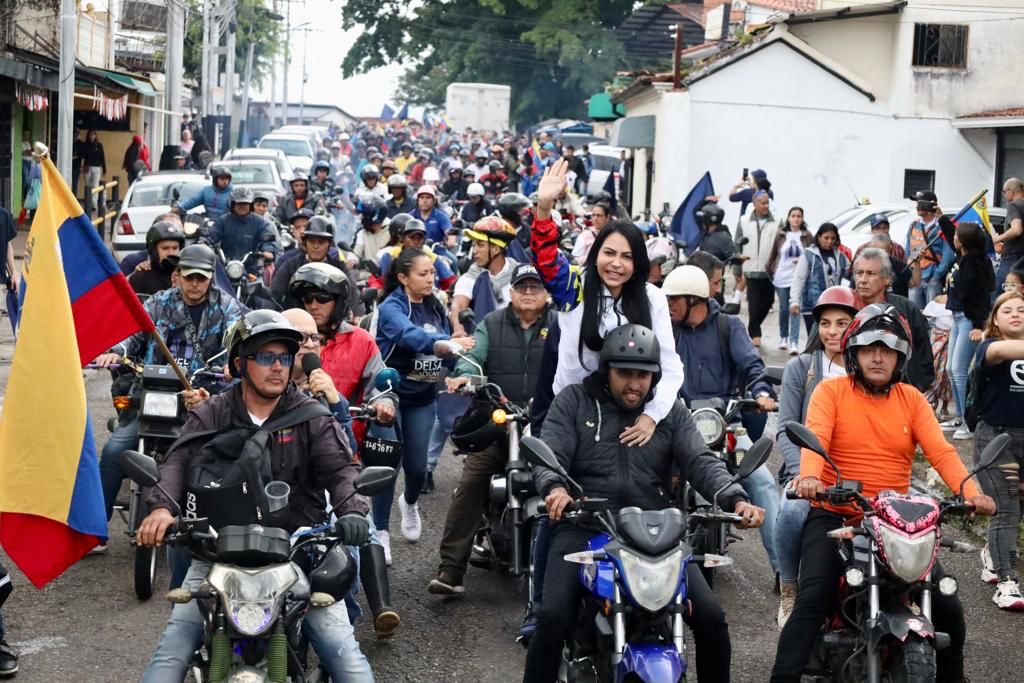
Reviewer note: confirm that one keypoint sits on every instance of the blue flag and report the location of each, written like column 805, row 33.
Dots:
column 685, row 226
column 609, row 187
column 403, row 113
column 427, row 123
column 387, row 114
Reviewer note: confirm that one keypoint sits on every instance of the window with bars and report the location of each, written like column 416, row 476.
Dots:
column 940, row 45
column 917, row 180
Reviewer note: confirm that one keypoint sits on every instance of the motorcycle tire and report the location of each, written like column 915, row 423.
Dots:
column 914, row 661
column 145, row 572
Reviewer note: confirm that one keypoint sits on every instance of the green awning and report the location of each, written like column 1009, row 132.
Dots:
column 138, row 85
column 602, row 109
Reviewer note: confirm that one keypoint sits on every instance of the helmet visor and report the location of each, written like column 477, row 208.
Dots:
column 889, row 339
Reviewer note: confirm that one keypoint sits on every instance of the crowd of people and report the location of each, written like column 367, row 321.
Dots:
column 605, row 331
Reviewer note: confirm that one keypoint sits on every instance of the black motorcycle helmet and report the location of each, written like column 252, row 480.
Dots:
column 163, row 231
column 475, row 431
column 299, row 177
column 878, row 324
column 712, row 215
column 494, row 166
column 197, row 257
column 321, row 166
column 511, row 205
column 369, row 171
column 632, row 346
column 335, row 573
column 219, row 171
column 255, row 329
column 323, row 277
column 319, row 226
column 397, row 225
column 373, row 209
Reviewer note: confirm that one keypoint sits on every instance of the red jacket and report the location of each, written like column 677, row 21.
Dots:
column 352, row 360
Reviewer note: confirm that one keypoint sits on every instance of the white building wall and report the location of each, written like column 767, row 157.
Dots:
column 863, row 46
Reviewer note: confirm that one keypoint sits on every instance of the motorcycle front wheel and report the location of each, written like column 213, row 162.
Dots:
column 914, row 661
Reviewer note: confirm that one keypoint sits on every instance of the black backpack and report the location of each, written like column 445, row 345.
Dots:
column 974, row 388
column 226, row 477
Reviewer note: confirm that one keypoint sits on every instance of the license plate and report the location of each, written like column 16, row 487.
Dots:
column 380, row 452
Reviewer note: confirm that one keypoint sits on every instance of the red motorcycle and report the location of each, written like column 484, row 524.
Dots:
column 880, row 630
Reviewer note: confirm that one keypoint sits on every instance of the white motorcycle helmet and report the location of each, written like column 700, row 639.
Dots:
column 430, row 175
column 475, row 190
column 663, row 251
column 687, row 281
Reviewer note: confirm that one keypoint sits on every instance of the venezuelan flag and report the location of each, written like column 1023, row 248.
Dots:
column 76, row 303
column 976, row 211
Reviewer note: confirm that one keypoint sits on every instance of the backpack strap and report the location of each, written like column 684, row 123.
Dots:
column 304, row 413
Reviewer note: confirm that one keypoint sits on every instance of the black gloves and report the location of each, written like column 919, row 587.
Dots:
column 353, row 529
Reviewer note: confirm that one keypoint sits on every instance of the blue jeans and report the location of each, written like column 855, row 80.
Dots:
column 761, row 488
column 959, row 357
column 449, row 407
column 327, row 629
column 416, row 423
column 125, row 437
column 927, row 291
column 789, row 325
column 789, row 529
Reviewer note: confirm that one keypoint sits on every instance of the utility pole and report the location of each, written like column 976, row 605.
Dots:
column 287, row 61
column 207, row 56
column 229, row 69
column 273, row 83
column 173, row 67
column 66, row 99
column 305, row 77
column 245, row 94
column 677, row 57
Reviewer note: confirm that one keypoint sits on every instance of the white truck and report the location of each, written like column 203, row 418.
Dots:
column 480, row 106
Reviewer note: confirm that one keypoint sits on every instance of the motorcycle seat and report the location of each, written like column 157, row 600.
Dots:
column 652, row 531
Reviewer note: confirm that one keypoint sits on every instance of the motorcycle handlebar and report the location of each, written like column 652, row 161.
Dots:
column 363, row 412
column 730, row 517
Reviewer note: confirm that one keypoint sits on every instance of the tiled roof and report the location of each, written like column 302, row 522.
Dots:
column 787, row 5
column 996, row 113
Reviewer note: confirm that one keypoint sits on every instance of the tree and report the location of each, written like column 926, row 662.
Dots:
column 252, row 23
column 553, row 53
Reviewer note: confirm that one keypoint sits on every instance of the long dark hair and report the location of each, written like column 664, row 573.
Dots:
column 826, row 227
column 401, row 266
column 634, row 293
column 971, row 238
column 803, row 223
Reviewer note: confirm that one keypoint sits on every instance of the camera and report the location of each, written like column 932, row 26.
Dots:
column 926, row 205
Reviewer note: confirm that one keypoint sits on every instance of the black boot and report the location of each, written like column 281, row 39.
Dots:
column 8, row 660
column 373, row 573
column 428, row 484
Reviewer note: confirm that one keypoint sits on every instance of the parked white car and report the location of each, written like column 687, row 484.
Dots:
column 148, row 197
column 296, row 146
column 855, row 223
column 607, row 159
column 257, row 174
column 284, row 167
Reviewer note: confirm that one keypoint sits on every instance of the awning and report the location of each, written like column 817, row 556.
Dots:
column 634, row 132
column 601, row 108
column 1012, row 117
column 140, row 86
column 32, row 74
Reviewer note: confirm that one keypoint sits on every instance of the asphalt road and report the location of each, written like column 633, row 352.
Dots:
column 88, row 627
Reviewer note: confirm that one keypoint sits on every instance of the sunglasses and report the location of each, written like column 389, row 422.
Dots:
column 528, row 287
column 317, row 339
column 319, row 297
column 267, row 359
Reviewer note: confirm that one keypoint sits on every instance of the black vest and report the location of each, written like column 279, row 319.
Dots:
column 512, row 362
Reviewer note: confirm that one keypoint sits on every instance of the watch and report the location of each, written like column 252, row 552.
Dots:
column 763, row 394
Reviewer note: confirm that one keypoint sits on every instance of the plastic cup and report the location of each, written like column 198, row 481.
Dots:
column 277, row 495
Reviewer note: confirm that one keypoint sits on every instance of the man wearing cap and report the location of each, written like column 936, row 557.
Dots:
column 509, row 347
column 926, row 244
column 880, row 225
column 240, row 231
column 435, row 220
column 413, row 236
column 317, row 243
column 744, row 190
column 192, row 319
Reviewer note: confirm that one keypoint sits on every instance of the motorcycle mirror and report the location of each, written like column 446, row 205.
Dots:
column 446, row 348
column 805, row 438
column 755, row 457
column 175, row 194
column 467, row 316
column 731, row 308
column 988, row 457
column 539, row 454
column 387, row 379
column 369, row 295
column 140, row 468
column 773, row 374
column 373, row 480
column 344, row 246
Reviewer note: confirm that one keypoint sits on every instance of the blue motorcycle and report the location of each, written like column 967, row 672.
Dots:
column 634, row 569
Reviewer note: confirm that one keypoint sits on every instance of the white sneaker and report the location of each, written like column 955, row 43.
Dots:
column 952, row 425
column 783, row 343
column 794, row 350
column 787, row 600
column 99, row 549
column 385, row 542
column 412, row 527
column 988, row 568
column 962, row 434
column 1008, row 596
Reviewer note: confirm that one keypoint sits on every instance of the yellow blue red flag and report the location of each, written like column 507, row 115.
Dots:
column 76, row 303
column 976, row 211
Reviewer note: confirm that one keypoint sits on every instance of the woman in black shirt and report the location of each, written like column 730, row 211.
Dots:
column 999, row 391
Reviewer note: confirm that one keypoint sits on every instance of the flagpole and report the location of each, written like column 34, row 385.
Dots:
column 162, row 345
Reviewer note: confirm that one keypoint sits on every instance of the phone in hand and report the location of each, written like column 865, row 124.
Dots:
column 746, row 174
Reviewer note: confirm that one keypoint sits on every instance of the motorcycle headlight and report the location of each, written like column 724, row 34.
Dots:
column 160, row 404
column 710, row 425
column 235, row 269
column 252, row 597
column 652, row 584
column 908, row 558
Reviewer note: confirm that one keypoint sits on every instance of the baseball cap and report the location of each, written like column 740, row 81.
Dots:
column 878, row 219
column 525, row 271
column 926, row 196
column 759, row 174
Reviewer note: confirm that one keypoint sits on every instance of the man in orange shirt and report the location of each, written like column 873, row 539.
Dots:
column 870, row 424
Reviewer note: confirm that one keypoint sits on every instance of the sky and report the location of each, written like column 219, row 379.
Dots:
column 325, row 46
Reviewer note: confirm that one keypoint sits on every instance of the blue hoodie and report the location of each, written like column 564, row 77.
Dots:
column 215, row 201
column 708, row 373
column 406, row 333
